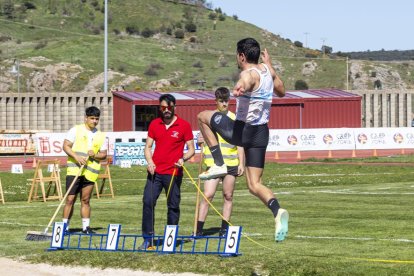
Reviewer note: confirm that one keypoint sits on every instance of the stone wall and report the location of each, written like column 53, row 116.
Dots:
column 55, row 112
column 58, row 112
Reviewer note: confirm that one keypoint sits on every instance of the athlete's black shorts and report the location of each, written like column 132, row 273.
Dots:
column 80, row 183
column 253, row 138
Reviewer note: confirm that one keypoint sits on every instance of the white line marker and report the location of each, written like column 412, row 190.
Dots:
column 353, row 238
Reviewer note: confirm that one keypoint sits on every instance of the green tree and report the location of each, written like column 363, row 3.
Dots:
column 8, row 9
column 301, row 85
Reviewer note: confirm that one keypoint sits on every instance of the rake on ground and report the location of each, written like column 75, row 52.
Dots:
column 44, row 236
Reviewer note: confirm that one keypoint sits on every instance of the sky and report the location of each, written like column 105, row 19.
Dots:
column 344, row 25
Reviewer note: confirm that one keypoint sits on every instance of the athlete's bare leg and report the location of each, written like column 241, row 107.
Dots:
column 254, row 183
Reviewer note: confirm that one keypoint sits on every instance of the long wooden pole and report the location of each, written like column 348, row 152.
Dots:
column 200, row 167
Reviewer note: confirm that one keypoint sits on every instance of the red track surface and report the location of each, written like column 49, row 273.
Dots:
column 281, row 157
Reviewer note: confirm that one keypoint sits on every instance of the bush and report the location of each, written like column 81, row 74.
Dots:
column 121, row 68
column 377, row 85
column 131, row 30
column 222, row 17
column 116, row 31
column 147, row 32
column 168, row 31
column 151, row 71
column 212, row 16
column 298, row 44
column 301, row 85
column 40, row 45
column 96, row 30
column 179, row 33
column 190, row 27
column 8, row 9
column 235, row 17
column 29, row 5
column 4, row 38
column 198, row 64
column 373, row 74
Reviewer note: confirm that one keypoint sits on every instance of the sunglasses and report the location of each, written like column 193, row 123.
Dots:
column 169, row 108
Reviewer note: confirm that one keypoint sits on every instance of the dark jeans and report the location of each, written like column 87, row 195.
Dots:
column 153, row 188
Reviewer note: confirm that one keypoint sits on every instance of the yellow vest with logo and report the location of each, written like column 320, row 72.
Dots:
column 228, row 151
column 80, row 147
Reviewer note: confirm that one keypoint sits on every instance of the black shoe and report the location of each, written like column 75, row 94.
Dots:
column 88, row 231
column 147, row 245
column 223, row 233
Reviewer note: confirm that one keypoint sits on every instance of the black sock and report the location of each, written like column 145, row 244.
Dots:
column 224, row 225
column 273, row 205
column 200, row 225
column 217, row 156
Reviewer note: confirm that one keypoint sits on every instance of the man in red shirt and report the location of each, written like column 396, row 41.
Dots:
column 170, row 134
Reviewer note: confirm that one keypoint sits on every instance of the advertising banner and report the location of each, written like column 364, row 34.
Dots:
column 14, row 143
column 51, row 144
column 133, row 152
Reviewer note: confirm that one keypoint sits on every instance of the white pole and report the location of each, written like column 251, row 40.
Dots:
column 106, row 49
column 347, row 74
column 18, row 76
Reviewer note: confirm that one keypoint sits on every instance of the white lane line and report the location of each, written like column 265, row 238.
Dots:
column 354, row 238
column 20, row 224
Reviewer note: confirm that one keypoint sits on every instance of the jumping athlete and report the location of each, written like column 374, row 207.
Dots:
column 233, row 158
column 254, row 91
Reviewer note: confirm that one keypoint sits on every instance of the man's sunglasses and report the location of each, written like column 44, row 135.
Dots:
column 169, row 108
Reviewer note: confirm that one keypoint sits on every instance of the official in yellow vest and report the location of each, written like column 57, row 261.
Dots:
column 85, row 146
column 233, row 157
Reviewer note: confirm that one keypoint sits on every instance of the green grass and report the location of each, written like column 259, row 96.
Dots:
column 345, row 219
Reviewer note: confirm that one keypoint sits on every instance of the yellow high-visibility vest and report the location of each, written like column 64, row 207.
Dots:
column 228, row 151
column 80, row 147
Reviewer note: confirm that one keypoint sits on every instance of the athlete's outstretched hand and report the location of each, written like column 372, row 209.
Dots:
column 238, row 90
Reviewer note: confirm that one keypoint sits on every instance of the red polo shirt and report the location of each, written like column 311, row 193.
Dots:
column 169, row 144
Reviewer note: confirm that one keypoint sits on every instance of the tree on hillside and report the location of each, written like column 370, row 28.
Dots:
column 301, row 85
column 8, row 9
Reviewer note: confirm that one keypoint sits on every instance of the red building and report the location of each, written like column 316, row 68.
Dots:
column 316, row 108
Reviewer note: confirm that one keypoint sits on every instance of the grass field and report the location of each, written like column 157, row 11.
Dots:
column 345, row 219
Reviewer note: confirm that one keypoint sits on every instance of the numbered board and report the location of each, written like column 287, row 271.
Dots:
column 17, row 168
column 112, row 238
column 58, row 235
column 232, row 240
column 170, row 238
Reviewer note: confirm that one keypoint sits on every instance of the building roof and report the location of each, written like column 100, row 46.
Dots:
column 208, row 95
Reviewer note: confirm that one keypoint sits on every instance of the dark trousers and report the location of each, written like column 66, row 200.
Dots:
column 153, row 188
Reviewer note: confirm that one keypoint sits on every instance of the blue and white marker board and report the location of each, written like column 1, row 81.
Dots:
column 58, row 235
column 112, row 238
column 232, row 240
column 170, row 238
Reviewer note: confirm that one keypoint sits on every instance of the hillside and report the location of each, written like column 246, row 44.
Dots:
column 382, row 55
column 155, row 44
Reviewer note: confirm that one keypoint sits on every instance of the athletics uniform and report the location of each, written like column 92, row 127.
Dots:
column 250, row 129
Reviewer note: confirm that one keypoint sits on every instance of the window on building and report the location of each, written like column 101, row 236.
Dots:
column 144, row 114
